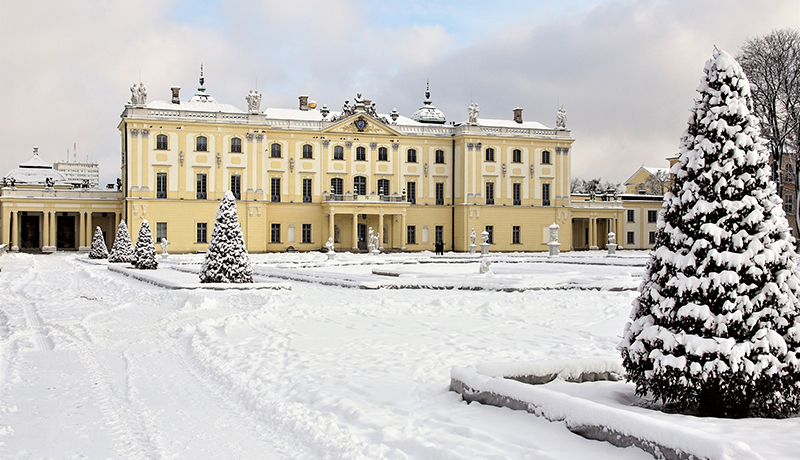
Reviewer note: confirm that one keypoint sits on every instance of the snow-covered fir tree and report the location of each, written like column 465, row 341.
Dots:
column 122, row 249
column 715, row 328
column 227, row 260
column 99, row 249
column 145, row 254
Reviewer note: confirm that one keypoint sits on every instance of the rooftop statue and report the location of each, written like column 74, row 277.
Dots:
column 474, row 111
column 561, row 119
column 253, row 102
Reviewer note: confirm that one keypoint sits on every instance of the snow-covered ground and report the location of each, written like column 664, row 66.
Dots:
column 96, row 364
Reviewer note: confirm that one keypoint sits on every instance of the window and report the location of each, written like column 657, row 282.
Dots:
column 652, row 216
column 161, row 231
column 652, row 237
column 275, row 233
column 337, row 186
column 515, row 234
column 275, row 189
column 308, row 152
column 411, row 156
column 236, row 145
column 338, row 153
column 306, row 190
column 383, row 154
column 201, row 144
column 306, row 233
column 439, row 234
column 489, row 154
column 411, row 234
column 161, row 185
column 411, row 192
column 545, row 194
column 275, row 150
column 490, row 230
column 490, row 193
column 516, row 156
column 236, row 186
column 440, row 156
column 546, row 157
column 631, row 238
column 360, row 185
column 361, row 153
column 517, row 193
column 161, row 142
column 787, row 204
column 440, row 193
column 383, row 187
column 631, row 214
column 202, row 232
column 201, row 187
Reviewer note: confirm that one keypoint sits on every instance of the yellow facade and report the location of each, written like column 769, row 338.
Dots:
column 302, row 178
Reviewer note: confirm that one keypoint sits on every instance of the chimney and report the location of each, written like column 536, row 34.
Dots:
column 518, row 114
column 176, row 97
column 303, row 103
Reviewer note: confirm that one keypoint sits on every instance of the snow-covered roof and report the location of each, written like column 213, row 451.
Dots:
column 35, row 171
column 428, row 113
column 210, row 106
column 655, row 171
column 510, row 124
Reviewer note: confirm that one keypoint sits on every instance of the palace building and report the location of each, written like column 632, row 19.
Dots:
column 304, row 175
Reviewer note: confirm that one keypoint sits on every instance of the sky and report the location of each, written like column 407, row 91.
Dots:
column 624, row 70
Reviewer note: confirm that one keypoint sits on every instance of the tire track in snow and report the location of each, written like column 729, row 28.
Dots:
column 132, row 435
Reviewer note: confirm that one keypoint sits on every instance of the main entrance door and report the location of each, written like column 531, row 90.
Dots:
column 29, row 232
column 362, row 237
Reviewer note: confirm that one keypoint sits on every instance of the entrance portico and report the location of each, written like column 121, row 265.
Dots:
column 348, row 223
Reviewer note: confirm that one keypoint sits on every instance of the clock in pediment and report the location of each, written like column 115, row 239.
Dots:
column 361, row 124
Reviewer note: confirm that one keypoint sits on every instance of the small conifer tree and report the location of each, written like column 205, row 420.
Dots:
column 122, row 249
column 99, row 249
column 227, row 260
column 145, row 254
column 715, row 329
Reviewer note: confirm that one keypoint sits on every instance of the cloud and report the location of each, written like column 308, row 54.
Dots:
column 625, row 70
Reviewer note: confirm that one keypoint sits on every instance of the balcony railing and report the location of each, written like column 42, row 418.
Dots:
column 364, row 198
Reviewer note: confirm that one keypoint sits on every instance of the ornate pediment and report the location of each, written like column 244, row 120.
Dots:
column 361, row 123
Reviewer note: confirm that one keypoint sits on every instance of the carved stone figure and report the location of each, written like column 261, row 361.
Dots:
column 164, row 243
column 253, row 101
column 474, row 111
column 138, row 94
column 561, row 119
column 329, row 244
column 142, row 94
column 472, row 236
column 485, row 266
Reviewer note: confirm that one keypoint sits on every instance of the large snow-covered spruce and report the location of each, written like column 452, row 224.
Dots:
column 227, row 260
column 145, row 255
column 715, row 328
column 122, row 249
column 99, row 249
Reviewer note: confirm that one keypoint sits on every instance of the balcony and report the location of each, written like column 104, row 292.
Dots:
column 373, row 198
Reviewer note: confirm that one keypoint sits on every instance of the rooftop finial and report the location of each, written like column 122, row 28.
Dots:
column 202, row 80
column 427, row 90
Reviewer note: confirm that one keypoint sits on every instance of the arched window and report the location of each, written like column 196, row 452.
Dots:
column 384, row 187
column 338, row 153
column 489, row 154
column 308, row 151
column 383, row 154
column 516, row 156
column 360, row 185
column 546, row 157
column 275, row 150
column 161, row 142
column 411, row 156
column 361, row 153
column 201, row 144
column 440, row 156
column 236, row 145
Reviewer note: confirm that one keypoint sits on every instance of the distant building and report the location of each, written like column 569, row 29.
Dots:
column 78, row 172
